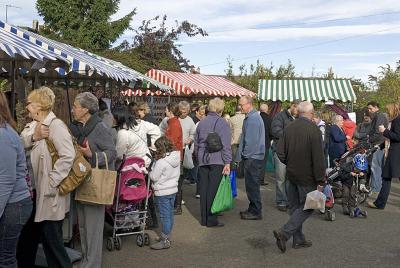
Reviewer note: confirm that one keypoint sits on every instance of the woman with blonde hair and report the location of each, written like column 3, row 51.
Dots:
column 51, row 207
column 15, row 201
column 391, row 168
column 143, row 112
column 212, row 165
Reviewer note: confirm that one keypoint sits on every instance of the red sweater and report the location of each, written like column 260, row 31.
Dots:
column 348, row 128
column 174, row 134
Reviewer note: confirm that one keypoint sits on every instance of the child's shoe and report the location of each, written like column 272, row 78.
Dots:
column 363, row 188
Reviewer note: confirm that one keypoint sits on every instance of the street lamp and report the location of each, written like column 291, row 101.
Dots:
column 7, row 6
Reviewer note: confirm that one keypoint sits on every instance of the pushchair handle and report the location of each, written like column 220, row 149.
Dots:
column 122, row 163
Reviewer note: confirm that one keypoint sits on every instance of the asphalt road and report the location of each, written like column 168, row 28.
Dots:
column 346, row 242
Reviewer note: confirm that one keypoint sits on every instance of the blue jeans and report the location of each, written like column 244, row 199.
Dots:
column 12, row 221
column 376, row 170
column 281, row 184
column 165, row 206
column 252, row 174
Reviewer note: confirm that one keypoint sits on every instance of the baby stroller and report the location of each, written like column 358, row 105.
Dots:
column 128, row 214
column 333, row 174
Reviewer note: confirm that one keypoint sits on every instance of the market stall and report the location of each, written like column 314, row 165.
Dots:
column 186, row 86
column 331, row 92
column 39, row 60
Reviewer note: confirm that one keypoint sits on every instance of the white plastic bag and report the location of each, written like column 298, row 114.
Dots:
column 315, row 200
column 187, row 158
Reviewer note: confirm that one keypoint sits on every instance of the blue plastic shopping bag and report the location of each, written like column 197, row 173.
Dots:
column 233, row 183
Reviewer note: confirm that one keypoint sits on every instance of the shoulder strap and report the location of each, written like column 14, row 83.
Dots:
column 215, row 124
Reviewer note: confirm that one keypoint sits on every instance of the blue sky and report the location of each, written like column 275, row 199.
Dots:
column 244, row 29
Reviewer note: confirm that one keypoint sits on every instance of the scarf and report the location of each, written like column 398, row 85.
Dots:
column 81, row 132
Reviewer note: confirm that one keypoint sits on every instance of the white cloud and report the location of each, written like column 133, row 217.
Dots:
column 331, row 32
column 241, row 20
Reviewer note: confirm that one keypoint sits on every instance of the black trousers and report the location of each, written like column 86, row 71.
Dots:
column 383, row 195
column 297, row 197
column 53, row 244
column 28, row 242
column 178, row 199
column 210, row 178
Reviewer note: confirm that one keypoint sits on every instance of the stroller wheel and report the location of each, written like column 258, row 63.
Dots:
column 362, row 198
column 140, row 240
column 330, row 215
column 146, row 239
column 118, row 243
column 110, row 244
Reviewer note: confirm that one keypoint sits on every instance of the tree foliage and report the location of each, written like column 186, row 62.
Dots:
column 155, row 45
column 248, row 76
column 83, row 23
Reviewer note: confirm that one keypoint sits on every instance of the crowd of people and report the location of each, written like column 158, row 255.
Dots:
column 32, row 209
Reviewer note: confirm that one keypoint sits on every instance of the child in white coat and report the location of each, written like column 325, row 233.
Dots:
column 164, row 176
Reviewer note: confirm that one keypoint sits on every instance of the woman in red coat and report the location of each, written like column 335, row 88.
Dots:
column 174, row 129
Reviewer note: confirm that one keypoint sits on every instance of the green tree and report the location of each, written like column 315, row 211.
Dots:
column 83, row 23
column 155, row 45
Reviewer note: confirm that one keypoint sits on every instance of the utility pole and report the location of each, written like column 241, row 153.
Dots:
column 7, row 6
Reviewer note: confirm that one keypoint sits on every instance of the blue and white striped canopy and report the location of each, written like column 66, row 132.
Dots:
column 14, row 40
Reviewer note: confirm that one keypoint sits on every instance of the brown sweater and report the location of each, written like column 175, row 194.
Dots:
column 301, row 150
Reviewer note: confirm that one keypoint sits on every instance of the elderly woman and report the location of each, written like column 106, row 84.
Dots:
column 212, row 165
column 15, row 201
column 391, row 168
column 337, row 140
column 51, row 207
column 95, row 138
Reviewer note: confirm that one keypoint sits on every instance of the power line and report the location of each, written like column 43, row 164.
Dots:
column 320, row 21
column 305, row 46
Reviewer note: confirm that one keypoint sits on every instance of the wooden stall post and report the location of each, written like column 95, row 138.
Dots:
column 68, row 100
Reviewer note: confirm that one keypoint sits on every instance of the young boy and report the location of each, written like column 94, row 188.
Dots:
column 349, row 173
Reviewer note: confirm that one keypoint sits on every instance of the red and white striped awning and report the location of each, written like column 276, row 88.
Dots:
column 192, row 84
column 137, row 92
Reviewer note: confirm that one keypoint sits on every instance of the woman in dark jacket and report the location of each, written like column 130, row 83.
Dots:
column 212, row 165
column 337, row 140
column 391, row 168
column 97, row 144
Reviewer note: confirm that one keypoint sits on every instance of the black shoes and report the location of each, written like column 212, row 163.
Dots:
column 280, row 241
column 245, row 215
column 303, row 244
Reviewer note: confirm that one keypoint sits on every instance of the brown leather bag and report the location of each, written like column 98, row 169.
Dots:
column 81, row 168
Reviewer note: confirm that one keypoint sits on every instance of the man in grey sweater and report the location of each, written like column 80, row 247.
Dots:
column 251, row 151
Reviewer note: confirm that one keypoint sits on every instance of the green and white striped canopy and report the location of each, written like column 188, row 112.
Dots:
column 311, row 90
